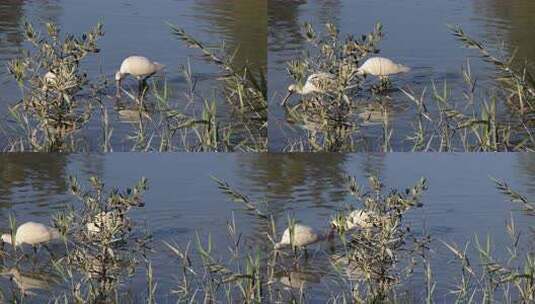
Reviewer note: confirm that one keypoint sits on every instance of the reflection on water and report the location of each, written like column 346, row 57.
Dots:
column 31, row 179
column 12, row 13
column 36, row 184
column 243, row 24
column 511, row 23
column 10, row 34
column 182, row 199
column 285, row 23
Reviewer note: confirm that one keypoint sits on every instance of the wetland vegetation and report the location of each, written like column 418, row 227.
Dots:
column 383, row 258
column 55, row 110
column 335, row 119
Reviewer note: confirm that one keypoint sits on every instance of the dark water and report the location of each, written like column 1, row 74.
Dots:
column 416, row 35
column 140, row 27
column 182, row 199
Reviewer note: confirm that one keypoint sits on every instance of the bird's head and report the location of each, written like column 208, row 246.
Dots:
column 6, row 238
column 292, row 88
column 280, row 245
column 159, row 67
column 119, row 76
column 361, row 72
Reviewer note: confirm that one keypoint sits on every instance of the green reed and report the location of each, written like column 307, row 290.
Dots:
column 53, row 108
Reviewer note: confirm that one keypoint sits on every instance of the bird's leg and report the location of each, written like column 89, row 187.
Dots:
column 140, row 88
column 34, row 256
column 385, row 82
column 145, row 85
column 49, row 252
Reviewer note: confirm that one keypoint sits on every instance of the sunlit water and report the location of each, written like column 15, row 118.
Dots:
column 417, row 35
column 183, row 200
column 141, row 27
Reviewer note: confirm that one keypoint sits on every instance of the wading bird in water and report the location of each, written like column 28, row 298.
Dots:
column 302, row 236
column 381, row 67
column 316, row 83
column 357, row 218
column 32, row 233
column 138, row 67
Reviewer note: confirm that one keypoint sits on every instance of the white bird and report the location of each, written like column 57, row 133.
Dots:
column 316, row 83
column 302, row 236
column 32, row 233
column 381, row 67
column 49, row 79
column 357, row 218
column 138, row 67
column 105, row 219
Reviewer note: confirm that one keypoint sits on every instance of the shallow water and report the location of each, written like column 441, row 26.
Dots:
column 182, row 199
column 416, row 35
column 139, row 27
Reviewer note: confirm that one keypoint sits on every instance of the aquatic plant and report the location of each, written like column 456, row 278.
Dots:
column 481, row 119
column 104, row 247
column 384, row 259
column 59, row 99
column 381, row 250
column 56, row 102
column 496, row 278
column 328, row 116
column 245, row 90
column 256, row 273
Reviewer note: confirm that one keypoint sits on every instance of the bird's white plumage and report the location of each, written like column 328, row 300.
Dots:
column 357, row 218
column 139, row 67
column 102, row 220
column 50, row 77
column 32, row 233
column 302, row 236
column 360, row 218
column 318, row 83
column 381, row 67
